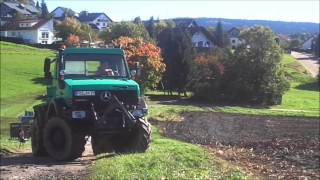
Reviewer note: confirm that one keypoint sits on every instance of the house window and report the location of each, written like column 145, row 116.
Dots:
column 200, row 44
column 208, row 44
column 103, row 24
column 44, row 42
column 233, row 41
column 45, row 35
column 97, row 24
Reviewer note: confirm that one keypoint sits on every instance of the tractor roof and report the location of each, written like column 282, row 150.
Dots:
column 94, row 51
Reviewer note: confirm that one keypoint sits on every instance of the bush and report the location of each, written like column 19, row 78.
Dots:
column 255, row 74
column 206, row 75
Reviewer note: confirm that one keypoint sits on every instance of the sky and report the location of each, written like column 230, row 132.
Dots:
column 285, row 10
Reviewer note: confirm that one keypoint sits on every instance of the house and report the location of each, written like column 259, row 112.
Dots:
column 98, row 21
column 201, row 37
column 307, row 45
column 10, row 9
column 185, row 22
column 31, row 30
column 234, row 36
column 60, row 13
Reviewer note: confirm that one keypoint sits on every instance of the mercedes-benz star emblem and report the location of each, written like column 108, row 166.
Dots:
column 105, row 95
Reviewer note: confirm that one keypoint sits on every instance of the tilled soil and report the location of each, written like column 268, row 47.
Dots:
column 265, row 147
column 24, row 166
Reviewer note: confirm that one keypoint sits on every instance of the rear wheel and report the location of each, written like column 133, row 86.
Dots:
column 61, row 142
column 101, row 144
column 37, row 145
column 135, row 141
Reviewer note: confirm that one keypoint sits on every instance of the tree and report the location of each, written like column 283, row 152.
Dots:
column 147, row 55
column 219, row 35
column 87, row 33
column 150, row 28
column 44, row 10
column 127, row 29
column 67, row 27
column 206, row 75
column 294, row 44
column 177, row 52
column 73, row 40
column 37, row 5
column 137, row 20
column 255, row 74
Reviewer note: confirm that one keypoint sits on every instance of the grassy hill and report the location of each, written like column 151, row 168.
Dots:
column 21, row 72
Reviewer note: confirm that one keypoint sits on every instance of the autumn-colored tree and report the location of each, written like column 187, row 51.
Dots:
column 73, row 40
column 206, row 75
column 147, row 55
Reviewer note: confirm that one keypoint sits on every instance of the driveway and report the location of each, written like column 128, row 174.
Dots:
column 308, row 61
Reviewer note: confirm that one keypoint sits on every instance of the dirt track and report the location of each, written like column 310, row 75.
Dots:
column 23, row 166
column 268, row 147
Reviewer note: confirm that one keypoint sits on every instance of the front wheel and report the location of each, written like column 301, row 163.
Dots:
column 135, row 141
column 37, row 145
column 61, row 142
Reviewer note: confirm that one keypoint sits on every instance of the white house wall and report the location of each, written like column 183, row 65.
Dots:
column 235, row 42
column 101, row 19
column 29, row 36
column 198, row 37
column 47, row 27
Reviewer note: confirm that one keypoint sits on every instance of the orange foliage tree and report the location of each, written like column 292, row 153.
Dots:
column 147, row 55
column 73, row 40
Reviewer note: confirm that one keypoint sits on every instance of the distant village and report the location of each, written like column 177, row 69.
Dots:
column 29, row 22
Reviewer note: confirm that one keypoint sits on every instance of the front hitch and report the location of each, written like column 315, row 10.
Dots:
column 128, row 120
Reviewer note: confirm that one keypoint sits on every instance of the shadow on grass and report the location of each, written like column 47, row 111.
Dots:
column 310, row 86
column 180, row 100
column 40, row 80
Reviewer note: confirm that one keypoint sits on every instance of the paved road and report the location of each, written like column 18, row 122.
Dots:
column 308, row 61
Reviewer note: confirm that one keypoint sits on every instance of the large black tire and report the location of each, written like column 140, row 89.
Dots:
column 101, row 144
column 37, row 145
column 61, row 142
column 135, row 141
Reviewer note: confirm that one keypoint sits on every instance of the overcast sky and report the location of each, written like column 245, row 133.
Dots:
column 298, row 11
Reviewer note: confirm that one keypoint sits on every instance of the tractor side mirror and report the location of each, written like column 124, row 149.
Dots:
column 46, row 68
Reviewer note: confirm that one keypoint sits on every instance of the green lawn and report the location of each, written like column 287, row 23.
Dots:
column 165, row 159
column 21, row 83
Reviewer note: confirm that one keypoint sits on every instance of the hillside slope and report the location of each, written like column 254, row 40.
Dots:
column 21, row 79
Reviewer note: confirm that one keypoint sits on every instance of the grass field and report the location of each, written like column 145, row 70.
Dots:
column 21, row 84
column 165, row 159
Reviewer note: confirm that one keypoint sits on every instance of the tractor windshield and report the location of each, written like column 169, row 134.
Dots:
column 101, row 65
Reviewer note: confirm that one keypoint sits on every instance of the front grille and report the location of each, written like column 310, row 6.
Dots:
column 126, row 96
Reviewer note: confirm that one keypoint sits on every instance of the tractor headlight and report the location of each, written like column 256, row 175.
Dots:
column 84, row 93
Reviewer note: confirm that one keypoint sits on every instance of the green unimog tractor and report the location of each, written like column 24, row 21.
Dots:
column 90, row 92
